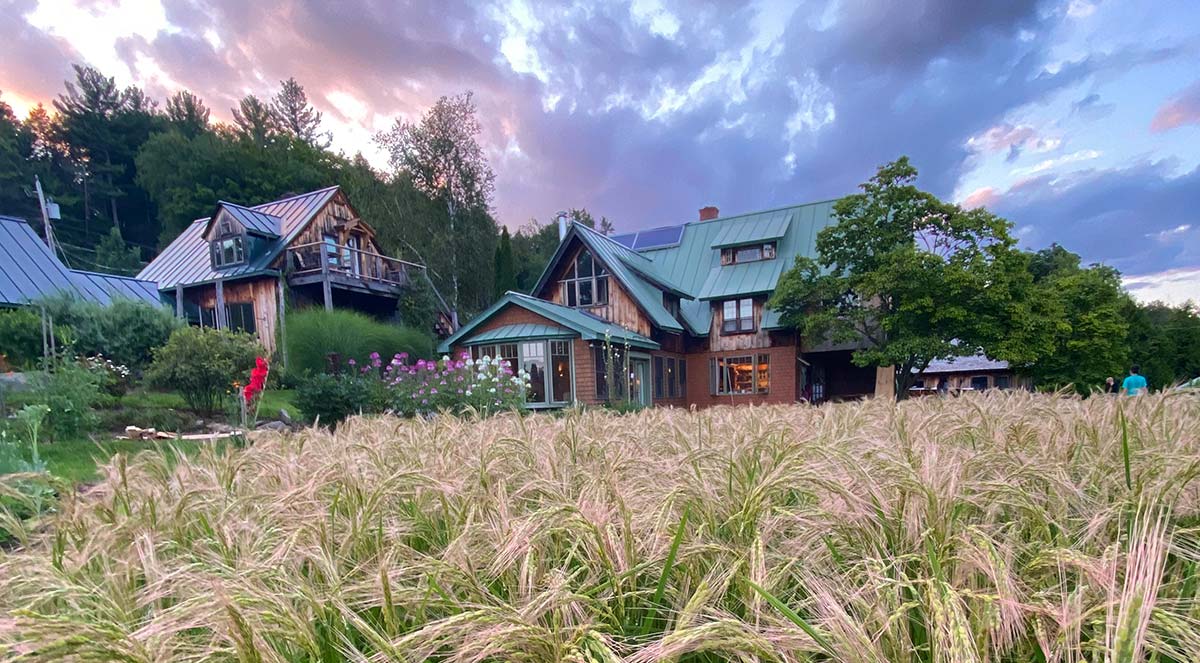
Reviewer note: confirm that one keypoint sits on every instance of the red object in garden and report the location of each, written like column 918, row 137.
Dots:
column 258, row 380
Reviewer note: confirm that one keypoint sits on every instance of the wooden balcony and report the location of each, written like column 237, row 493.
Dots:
column 337, row 266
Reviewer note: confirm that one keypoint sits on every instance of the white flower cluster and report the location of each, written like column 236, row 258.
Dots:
column 98, row 362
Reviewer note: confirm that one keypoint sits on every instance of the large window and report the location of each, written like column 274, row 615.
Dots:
column 548, row 364
column 745, row 374
column 1003, row 382
column 228, row 251
column 737, row 316
column 560, row 371
column 533, row 360
column 586, row 282
column 736, row 255
column 610, row 363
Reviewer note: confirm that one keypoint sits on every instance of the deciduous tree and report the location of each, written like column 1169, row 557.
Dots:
column 442, row 157
column 911, row 278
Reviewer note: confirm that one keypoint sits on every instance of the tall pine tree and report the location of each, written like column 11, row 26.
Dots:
column 504, row 269
column 294, row 115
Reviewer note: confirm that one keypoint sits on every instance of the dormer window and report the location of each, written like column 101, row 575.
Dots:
column 736, row 255
column 586, row 282
column 228, row 251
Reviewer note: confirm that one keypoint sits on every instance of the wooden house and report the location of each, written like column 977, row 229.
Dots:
column 242, row 267
column 675, row 315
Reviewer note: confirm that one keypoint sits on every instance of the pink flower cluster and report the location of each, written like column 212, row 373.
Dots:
column 486, row 384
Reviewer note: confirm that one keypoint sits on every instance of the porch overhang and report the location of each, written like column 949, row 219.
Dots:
column 522, row 332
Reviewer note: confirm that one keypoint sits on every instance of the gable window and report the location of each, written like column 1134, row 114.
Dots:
column 736, row 255
column 586, row 282
column 228, row 251
column 745, row 374
column 737, row 316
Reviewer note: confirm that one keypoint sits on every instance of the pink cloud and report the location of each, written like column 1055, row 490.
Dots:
column 981, row 197
column 1183, row 108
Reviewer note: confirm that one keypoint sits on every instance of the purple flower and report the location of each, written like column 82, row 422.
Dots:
column 352, row 362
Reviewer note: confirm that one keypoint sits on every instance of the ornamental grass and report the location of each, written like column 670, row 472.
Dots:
column 989, row 527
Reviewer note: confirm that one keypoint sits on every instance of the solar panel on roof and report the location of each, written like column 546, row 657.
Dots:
column 625, row 240
column 658, row 238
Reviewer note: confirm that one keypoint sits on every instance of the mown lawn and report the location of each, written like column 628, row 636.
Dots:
column 76, row 459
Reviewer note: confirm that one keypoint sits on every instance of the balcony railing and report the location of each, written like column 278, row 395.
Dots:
column 340, row 260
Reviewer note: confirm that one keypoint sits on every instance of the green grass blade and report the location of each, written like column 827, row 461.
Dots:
column 661, row 589
column 1125, row 448
column 795, row 619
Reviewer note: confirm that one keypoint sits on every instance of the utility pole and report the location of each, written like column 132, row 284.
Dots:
column 37, row 185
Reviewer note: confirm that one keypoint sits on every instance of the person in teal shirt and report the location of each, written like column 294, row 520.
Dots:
column 1134, row 384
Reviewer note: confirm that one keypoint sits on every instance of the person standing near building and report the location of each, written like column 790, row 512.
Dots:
column 1134, row 384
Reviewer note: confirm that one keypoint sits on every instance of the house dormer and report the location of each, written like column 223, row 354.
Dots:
column 237, row 235
column 741, row 243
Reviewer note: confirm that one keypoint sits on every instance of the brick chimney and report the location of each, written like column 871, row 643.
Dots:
column 709, row 213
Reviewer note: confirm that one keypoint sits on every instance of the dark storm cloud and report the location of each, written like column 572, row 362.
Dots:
column 646, row 127
column 33, row 63
column 1140, row 219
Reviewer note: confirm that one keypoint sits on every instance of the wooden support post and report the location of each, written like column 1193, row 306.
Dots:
column 281, row 295
column 179, row 301
column 221, row 321
column 885, row 382
column 325, row 287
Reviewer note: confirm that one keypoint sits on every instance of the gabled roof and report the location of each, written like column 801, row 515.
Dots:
column 29, row 271
column 186, row 260
column 636, row 273
column 255, row 221
column 694, row 265
column 586, row 325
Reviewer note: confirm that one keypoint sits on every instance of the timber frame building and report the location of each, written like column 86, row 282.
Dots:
column 675, row 315
column 242, row 267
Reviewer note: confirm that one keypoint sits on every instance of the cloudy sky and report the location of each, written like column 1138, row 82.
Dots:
column 1079, row 120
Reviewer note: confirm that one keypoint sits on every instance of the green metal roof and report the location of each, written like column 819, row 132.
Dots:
column 695, row 266
column 753, row 230
column 583, row 324
column 509, row 333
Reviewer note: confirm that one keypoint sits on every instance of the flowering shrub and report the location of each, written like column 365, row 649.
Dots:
column 114, row 378
column 487, row 385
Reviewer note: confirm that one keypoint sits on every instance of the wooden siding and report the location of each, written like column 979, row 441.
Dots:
column 759, row 338
column 261, row 292
column 621, row 308
column 338, row 217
